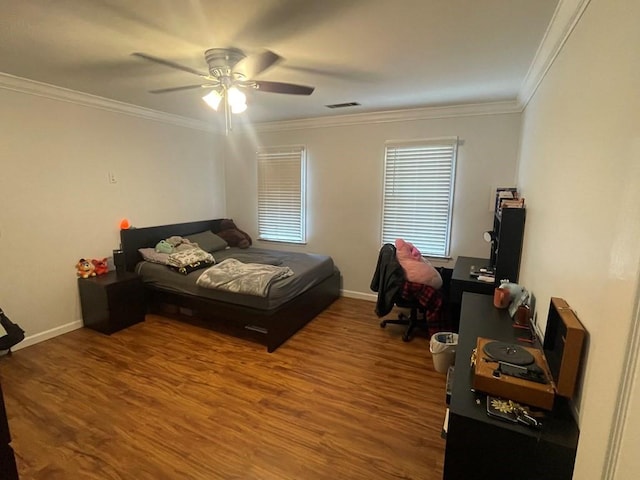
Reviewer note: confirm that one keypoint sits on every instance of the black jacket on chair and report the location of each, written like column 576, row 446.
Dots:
column 14, row 333
column 387, row 279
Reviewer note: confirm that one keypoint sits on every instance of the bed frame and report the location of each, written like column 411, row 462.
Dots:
column 269, row 327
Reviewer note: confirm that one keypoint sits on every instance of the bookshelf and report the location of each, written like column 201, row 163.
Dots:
column 507, row 236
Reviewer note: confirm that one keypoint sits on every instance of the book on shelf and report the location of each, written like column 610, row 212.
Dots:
column 513, row 203
column 505, row 193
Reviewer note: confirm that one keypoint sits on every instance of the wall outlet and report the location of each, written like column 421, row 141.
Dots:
column 112, row 177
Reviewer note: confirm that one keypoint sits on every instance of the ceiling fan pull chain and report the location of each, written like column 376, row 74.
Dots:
column 227, row 112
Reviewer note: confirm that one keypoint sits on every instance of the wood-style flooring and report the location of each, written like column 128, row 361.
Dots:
column 342, row 399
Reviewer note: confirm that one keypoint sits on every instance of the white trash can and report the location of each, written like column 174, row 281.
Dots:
column 443, row 350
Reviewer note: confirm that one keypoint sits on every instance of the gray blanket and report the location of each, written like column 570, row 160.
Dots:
column 248, row 278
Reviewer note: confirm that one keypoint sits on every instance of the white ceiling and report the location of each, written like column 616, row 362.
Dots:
column 383, row 54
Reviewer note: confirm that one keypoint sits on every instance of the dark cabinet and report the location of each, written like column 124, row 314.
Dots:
column 8, row 468
column 112, row 301
column 506, row 247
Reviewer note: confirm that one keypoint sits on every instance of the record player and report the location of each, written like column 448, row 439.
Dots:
column 515, row 372
column 529, row 375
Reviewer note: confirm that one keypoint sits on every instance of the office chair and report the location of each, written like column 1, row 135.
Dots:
column 389, row 281
column 417, row 318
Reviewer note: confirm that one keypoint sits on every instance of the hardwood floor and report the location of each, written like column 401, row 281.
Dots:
column 342, row 399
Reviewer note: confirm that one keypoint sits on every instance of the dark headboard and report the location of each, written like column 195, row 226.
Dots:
column 134, row 238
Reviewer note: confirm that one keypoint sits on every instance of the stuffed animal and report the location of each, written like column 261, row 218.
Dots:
column 163, row 246
column 416, row 268
column 100, row 266
column 85, row 268
column 233, row 235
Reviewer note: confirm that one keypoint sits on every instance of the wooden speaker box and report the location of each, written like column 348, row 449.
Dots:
column 563, row 341
column 559, row 359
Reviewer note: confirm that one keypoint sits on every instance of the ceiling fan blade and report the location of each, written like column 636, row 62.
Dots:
column 255, row 64
column 279, row 87
column 168, row 63
column 185, row 87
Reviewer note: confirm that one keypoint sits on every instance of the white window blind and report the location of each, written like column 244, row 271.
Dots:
column 281, row 194
column 418, row 194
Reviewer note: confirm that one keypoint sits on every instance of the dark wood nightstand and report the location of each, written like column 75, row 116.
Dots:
column 112, row 301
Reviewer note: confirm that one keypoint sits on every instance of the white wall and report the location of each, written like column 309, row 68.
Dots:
column 58, row 206
column 579, row 170
column 345, row 174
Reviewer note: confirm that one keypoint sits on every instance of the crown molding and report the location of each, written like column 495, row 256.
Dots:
column 32, row 87
column 564, row 20
column 425, row 113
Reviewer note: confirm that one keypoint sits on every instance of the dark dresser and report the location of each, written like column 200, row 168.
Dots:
column 112, row 302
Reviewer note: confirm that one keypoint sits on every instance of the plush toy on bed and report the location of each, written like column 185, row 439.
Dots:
column 100, row 266
column 163, row 246
column 233, row 235
column 417, row 268
column 85, row 268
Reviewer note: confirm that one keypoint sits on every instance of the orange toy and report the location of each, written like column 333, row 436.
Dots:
column 85, row 268
column 100, row 266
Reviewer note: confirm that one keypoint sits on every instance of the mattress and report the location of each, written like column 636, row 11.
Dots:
column 309, row 269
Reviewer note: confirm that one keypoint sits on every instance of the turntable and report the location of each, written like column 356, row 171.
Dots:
column 511, row 371
column 507, row 352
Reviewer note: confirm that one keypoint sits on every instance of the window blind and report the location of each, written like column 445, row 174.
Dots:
column 281, row 194
column 418, row 194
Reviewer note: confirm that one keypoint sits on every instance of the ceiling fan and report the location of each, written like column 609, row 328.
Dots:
column 231, row 71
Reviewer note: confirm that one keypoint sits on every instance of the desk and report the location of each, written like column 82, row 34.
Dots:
column 462, row 282
column 481, row 447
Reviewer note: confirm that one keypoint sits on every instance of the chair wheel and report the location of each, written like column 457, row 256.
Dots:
column 406, row 338
column 383, row 323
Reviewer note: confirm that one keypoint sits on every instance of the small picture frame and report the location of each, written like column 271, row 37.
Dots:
column 522, row 299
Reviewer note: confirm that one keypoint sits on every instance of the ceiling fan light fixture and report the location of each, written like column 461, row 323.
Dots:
column 230, row 68
column 238, row 107
column 236, row 97
column 213, row 99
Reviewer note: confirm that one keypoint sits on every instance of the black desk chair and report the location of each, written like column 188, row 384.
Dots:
column 417, row 318
column 389, row 281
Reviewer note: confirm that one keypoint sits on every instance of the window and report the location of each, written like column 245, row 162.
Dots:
column 418, row 194
column 281, row 194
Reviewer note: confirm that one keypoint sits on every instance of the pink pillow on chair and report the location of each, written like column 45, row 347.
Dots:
column 417, row 269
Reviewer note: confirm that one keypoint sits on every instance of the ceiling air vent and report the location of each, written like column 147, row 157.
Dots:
column 343, row 105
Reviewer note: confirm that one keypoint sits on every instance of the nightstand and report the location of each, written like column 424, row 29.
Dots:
column 112, row 301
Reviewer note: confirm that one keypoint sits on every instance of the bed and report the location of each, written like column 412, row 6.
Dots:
column 292, row 302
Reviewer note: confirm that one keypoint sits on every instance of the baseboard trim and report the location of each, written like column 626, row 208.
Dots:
column 42, row 336
column 359, row 295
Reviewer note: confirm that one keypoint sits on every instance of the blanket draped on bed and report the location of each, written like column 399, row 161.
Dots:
column 248, row 278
